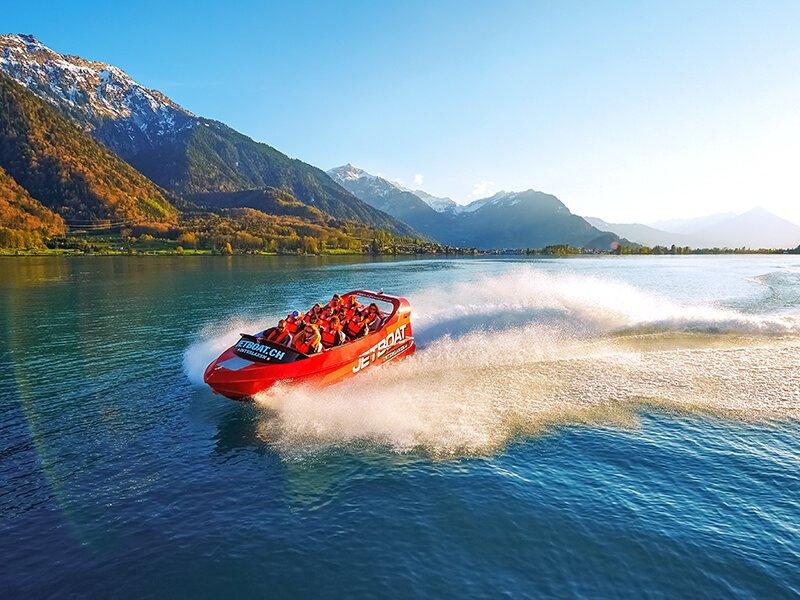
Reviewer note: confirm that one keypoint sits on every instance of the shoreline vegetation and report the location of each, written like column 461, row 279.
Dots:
column 160, row 243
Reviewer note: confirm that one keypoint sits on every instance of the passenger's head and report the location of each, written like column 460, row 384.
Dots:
column 373, row 308
column 282, row 324
column 334, row 321
column 336, row 299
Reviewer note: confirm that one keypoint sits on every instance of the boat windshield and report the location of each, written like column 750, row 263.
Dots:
column 387, row 308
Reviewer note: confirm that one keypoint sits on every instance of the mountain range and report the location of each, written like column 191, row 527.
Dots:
column 755, row 228
column 527, row 219
column 643, row 234
column 185, row 155
column 83, row 144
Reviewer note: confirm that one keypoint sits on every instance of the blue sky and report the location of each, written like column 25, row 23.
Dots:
column 627, row 111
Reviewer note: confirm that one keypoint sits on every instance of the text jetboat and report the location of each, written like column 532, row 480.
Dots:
column 253, row 364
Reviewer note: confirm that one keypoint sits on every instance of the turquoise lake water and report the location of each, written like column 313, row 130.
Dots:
column 589, row 427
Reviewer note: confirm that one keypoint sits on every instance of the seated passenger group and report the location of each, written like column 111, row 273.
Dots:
column 322, row 327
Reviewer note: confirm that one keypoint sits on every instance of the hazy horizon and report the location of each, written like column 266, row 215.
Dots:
column 630, row 114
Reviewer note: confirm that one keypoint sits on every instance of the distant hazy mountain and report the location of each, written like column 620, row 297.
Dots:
column 526, row 219
column 756, row 228
column 643, row 234
column 181, row 152
column 692, row 225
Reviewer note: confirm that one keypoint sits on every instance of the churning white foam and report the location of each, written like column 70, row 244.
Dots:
column 580, row 303
column 475, row 394
column 521, row 352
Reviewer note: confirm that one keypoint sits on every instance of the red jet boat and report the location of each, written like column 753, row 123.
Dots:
column 253, row 364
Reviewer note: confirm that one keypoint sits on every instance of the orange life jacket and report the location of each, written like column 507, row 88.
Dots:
column 304, row 345
column 279, row 336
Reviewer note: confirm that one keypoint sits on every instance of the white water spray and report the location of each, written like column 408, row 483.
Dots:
column 518, row 353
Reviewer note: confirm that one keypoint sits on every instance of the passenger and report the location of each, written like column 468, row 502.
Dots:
column 335, row 302
column 333, row 334
column 351, row 307
column 310, row 341
column 356, row 327
column 374, row 318
column 292, row 320
column 279, row 334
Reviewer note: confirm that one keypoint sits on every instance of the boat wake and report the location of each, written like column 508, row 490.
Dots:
column 520, row 353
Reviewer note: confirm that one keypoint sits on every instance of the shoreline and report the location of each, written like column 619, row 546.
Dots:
column 54, row 253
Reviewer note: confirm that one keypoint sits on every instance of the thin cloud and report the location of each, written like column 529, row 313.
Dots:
column 482, row 189
column 418, row 179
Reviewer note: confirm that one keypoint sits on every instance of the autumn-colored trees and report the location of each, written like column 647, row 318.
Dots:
column 66, row 170
column 24, row 222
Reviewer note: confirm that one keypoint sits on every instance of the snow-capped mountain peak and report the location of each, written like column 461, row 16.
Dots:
column 349, row 172
column 98, row 94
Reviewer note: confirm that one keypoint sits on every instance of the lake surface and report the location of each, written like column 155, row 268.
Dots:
column 592, row 427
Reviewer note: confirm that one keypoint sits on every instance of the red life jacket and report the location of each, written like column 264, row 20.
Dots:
column 331, row 337
column 354, row 329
